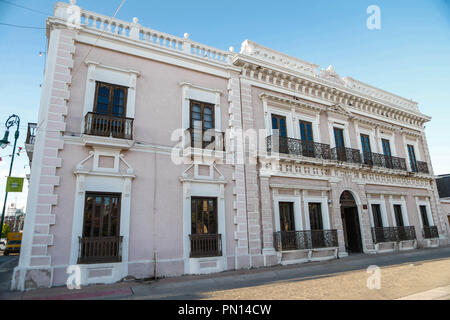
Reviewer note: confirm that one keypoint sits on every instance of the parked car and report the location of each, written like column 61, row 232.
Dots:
column 2, row 244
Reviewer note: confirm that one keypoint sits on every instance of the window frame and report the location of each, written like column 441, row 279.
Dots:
column 216, row 214
column 103, row 195
column 202, row 106
column 112, row 87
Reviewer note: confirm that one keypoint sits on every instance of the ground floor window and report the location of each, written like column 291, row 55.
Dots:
column 398, row 215
column 287, row 222
column 376, row 212
column 205, row 238
column 315, row 215
column 101, row 241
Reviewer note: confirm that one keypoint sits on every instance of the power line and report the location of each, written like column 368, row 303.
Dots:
column 23, row 7
column 18, row 26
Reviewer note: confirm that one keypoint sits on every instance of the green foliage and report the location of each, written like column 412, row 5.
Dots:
column 5, row 230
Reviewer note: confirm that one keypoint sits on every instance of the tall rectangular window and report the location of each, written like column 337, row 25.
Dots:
column 287, row 220
column 315, row 215
column 279, row 125
column 367, row 152
column 307, row 138
column 423, row 214
column 203, row 215
column 398, row 215
column 339, row 137
column 201, row 120
column 376, row 212
column 101, row 215
column 412, row 158
column 386, row 147
column 280, row 132
column 110, row 99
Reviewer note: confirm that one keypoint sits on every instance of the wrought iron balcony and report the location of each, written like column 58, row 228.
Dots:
column 430, row 232
column 205, row 139
column 205, row 245
column 100, row 250
column 381, row 160
column 422, row 167
column 346, row 155
column 108, row 126
column 393, row 234
column 305, row 239
column 298, row 147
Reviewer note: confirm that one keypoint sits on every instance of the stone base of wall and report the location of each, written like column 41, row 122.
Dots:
column 31, row 278
column 302, row 256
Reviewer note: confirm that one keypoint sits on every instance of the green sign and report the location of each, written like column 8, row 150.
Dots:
column 14, row 184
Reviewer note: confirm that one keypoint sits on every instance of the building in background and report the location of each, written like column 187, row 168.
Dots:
column 443, row 185
column 155, row 153
column 14, row 218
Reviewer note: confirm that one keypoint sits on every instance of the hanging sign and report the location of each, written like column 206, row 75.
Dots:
column 14, row 184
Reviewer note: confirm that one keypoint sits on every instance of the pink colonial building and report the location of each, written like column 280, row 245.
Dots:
column 157, row 155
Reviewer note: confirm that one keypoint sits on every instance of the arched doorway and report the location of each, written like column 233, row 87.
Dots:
column 350, row 223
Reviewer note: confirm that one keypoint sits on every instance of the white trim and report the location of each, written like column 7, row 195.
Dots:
column 295, row 199
column 202, row 189
column 425, row 203
column 113, row 75
column 94, row 183
column 341, row 124
column 323, row 200
column 280, row 112
column 369, row 132
column 391, row 138
column 402, row 203
column 382, row 204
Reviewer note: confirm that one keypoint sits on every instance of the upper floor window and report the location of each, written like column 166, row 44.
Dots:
column 279, row 125
column 110, row 99
column 412, row 158
column 386, row 147
column 339, row 138
column 202, row 115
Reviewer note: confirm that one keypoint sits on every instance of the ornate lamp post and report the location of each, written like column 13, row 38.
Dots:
column 12, row 120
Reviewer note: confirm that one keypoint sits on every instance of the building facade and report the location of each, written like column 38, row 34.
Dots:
column 154, row 155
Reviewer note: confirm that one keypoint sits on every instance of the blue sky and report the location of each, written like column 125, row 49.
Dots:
column 409, row 56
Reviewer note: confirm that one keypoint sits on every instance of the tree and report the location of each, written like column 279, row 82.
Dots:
column 5, row 230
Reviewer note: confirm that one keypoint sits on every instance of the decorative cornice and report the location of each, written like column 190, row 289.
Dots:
column 330, row 89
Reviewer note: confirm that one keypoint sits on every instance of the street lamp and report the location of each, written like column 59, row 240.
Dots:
column 12, row 120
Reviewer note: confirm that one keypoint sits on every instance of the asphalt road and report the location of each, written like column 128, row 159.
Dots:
column 7, row 265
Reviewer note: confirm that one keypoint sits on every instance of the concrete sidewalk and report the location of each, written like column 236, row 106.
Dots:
column 192, row 287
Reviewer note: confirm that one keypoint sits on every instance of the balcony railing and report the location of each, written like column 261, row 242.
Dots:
column 108, row 126
column 205, row 139
column 205, row 245
column 381, row 160
column 31, row 133
column 430, row 232
column 298, row 147
column 305, row 239
column 100, row 250
column 393, row 234
column 346, row 155
column 422, row 167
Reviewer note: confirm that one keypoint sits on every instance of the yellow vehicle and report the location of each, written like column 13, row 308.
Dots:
column 13, row 243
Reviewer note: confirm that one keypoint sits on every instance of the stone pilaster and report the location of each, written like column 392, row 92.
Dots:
column 251, row 182
column 336, row 219
column 270, row 257
column 242, row 258
column 35, row 264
